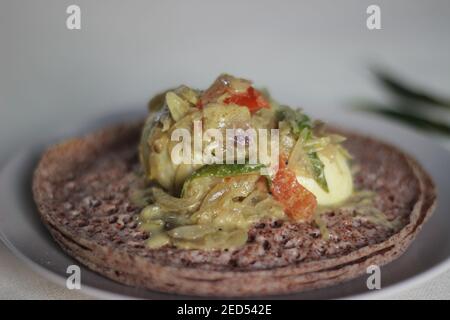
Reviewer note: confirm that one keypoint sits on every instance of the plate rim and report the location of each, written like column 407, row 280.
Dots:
column 99, row 293
column 96, row 292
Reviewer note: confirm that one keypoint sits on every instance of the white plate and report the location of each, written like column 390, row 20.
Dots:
column 24, row 234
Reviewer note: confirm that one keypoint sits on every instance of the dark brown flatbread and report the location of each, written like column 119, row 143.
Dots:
column 82, row 189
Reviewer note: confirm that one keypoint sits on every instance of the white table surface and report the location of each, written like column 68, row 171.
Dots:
column 128, row 50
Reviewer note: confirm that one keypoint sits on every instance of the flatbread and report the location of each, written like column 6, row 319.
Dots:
column 83, row 189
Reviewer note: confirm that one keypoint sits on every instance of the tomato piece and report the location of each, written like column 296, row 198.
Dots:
column 298, row 203
column 223, row 85
column 252, row 99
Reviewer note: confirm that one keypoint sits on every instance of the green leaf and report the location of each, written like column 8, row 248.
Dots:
column 297, row 119
column 222, row 171
column 302, row 128
column 415, row 120
column 225, row 170
column 318, row 170
column 405, row 91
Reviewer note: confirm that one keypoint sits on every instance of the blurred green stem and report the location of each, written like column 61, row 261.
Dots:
column 405, row 91
column 406, row 117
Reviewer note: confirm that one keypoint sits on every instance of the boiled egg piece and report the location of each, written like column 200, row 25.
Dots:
column 338, row 175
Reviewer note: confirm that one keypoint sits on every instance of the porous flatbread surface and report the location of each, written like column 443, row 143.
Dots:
column 83, row 189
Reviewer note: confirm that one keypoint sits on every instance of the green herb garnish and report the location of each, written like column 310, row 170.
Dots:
column 222, row 171
column 302, row 128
